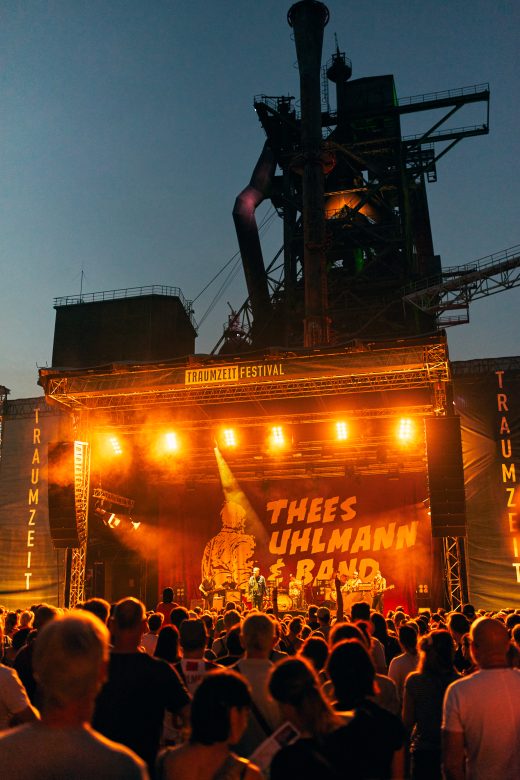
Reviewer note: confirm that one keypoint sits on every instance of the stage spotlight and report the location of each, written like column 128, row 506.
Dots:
column 171, row 442
column 229, row 438
column 277, row 438
column 116, row 446
column 113, row 521
column 341, row 431
column 406, row 431
column 135, row 524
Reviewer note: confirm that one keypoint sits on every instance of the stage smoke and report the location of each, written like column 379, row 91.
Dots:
column 234, row 493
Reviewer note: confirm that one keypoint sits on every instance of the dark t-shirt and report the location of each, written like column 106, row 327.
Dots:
column 305, row 760
column 364, row 748
column 130, row 707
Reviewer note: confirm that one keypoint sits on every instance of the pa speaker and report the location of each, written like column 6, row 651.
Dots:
column 445, row 476
column 62, row 506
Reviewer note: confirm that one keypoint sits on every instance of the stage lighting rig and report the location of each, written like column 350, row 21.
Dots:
column 110, row 518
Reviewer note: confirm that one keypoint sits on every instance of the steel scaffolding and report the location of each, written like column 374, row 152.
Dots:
column 81, row 498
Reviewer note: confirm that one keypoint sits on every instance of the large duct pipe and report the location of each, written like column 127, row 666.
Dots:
column 246, row 204
column 308, row 18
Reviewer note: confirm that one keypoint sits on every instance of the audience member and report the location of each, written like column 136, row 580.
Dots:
column 296, row 688
column 219, row 716
column 257, row 637
column 130, row 707
column 149, row 639
column 371, row 744
column 44, row 614
column 233, row 646
column 166, row 606
column 323, row 617
column 69, row 660
column 385, row 691
column 458, row 626
column 99, row 607
column 315, row 649
column 389, row 642
column 15, row 705
column 192, row 667
column 402, row 665
column 481, row 715
column 422, row 703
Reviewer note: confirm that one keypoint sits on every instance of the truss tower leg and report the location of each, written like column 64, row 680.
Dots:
column 455, row 571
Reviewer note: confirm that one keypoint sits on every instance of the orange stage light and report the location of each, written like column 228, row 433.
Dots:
column 229, row 437
column 171, row 441
column 406, row 431
column 341, row 431
column 277, row 436
column 116, row 446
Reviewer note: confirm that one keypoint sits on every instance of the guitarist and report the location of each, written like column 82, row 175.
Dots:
column 207, row 588
column 378, row 592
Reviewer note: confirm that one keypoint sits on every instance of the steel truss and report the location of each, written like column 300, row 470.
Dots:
column 455, row 571
column 459, row 285
column 357, row 369
column 81, row 497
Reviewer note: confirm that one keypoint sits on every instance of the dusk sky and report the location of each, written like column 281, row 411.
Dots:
column 127, row 129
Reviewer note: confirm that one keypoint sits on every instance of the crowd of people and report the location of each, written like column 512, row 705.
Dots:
column 114, row 691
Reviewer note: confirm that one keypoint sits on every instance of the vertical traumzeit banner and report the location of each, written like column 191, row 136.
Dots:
column 309, row 528
column 31, row 571
column 487, row 397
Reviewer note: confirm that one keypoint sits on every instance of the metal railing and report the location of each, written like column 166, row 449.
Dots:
column 445, row 94
column 128, row 292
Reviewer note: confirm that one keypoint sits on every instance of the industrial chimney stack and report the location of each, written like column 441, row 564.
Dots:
column 308, row 19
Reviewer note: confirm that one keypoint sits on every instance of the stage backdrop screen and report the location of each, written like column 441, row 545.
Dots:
column 487, row 398
column 309, row 528
column 31, row 571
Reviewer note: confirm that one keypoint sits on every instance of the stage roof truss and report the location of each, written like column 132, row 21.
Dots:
column 138, row 388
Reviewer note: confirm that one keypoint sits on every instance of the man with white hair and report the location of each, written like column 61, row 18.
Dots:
column 70, row 665
column 481, row 715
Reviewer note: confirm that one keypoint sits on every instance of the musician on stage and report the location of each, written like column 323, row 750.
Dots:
column 295, row 591
column 257, row 589
column 378, row 592
column 207, row 588
column 353, row 583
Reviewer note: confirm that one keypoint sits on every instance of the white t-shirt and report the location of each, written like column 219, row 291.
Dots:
column 13, row 697
column 485, row 707
column 399, row 669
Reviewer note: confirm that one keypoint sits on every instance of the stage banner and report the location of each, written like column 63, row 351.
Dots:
column 31, row 571
column 487, row 398
column 309, row 528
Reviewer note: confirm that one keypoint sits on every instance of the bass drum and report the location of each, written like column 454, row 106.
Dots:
column 284, row 602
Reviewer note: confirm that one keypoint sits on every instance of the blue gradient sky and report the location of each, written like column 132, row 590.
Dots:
column 127, row 129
